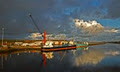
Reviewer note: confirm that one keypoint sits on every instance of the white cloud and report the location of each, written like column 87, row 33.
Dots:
column 35, row 36
column 112, row 30
column 91, row 27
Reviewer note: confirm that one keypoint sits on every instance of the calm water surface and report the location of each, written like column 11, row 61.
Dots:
column 101, row 58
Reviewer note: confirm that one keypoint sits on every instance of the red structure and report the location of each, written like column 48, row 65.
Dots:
column 44, row 60
column 44, row 37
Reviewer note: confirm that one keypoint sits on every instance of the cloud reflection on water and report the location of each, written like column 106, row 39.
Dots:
column 99, row 58
column 91, row 57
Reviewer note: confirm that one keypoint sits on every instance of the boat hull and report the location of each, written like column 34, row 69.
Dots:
column 60, row 48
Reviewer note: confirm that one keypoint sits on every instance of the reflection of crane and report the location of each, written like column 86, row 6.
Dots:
column 63, row 56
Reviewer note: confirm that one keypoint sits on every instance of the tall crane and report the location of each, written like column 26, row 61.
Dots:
column 44, row 33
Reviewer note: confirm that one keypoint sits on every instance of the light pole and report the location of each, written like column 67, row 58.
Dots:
column 2, row 35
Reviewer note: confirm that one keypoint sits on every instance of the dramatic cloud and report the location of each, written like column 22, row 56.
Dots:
column 91, row 27
column 114, row 9
column 53, row 15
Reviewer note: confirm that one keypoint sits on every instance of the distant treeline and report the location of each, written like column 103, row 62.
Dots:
column 115, row 42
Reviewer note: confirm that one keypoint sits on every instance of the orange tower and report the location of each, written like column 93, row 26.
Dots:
column 44, row 37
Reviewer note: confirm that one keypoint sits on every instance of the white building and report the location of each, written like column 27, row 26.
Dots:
column 18, row 43
column 25, row 44
column 48, row 44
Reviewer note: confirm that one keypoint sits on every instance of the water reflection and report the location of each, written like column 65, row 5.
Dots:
column 91, row 57
column 112, row 53
column 48, row 55
column 95, row 58
column 44, row 55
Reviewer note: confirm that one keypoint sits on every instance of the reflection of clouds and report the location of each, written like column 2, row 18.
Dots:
column 92, row 57
column 48, row 55
column 113, row 53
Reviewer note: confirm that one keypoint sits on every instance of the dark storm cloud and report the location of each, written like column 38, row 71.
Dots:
column 50, row 14
column 114, row 9
column 14, row 14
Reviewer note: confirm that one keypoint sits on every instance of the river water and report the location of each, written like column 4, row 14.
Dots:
column 99, row 58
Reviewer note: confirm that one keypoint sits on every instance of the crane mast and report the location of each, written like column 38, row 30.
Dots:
column 44, row 33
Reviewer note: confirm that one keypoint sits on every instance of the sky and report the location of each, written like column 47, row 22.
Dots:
column 55, row 16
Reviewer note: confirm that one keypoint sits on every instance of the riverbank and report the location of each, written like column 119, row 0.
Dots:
column 21, row 48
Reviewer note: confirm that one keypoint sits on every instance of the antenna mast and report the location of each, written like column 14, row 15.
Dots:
column 2, row 35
